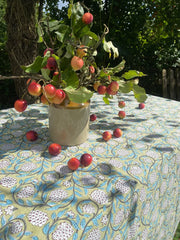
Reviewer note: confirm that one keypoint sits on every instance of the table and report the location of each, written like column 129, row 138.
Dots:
column 130, row 191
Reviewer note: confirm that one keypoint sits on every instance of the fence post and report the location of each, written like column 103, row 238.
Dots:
column 178, row 83
column 164, row 83
column 172, row 83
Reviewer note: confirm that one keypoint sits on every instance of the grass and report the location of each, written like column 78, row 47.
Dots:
column 177, row 235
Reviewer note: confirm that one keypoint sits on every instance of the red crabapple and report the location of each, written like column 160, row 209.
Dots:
column 20, row 105
column 54, row 149
column 93, row 117
column 59, row 96
column 49, row 90
column 141, row 105
column 51, row 64
column 121, row 104
column 31, row 135
column 122, row 114
column 87, row 18
column 101, row 89
column 86, row 159
column 77, row 63
column 117, row 132
column 34, row 89
column 107, row 135
column 73, row 163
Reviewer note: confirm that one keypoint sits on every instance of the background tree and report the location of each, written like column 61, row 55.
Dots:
column 7, row 92
column 21, row 38
column 18, row 43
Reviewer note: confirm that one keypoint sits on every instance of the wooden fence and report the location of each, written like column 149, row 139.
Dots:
column 171, row 83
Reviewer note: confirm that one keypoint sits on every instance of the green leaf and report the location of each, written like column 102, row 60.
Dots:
column 35, row 66
column 108, row 47
column 79, row 95
column 60, row 36
column 55, row 57
column 77, row 12
column 125, row 87
column 139, row 93
column 70, row 9
column 106, row 100
column 93, row 35
column 83, row 31
column 89, row 41
column 79, row 26
column 45, row 58
column 70, row 77
column 117, row 68
column 62, row 31
column 69, row 51
column 40, row 34
column 53, row 25
column 102, row 74
column 40, row 39
column 115, row 78
column 132, row 74
column 45, row 72
column 56, row 80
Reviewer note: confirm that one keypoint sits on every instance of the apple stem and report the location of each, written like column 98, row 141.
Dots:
column 44, row 92
column 106, row 31
column 41, row 80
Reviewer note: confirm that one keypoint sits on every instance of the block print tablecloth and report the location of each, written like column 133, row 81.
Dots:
column 131, row 190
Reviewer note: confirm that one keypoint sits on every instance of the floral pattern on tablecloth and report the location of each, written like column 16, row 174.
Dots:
column 131, row 191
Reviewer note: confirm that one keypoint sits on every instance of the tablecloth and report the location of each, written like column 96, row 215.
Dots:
column 130, row 191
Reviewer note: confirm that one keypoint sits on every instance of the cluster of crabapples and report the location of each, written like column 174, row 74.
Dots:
column 77, row 61
column 54, row 149
column 48, row 93
column 117, row 132
column 74, row 163
column 111, row 89
column 107, row 135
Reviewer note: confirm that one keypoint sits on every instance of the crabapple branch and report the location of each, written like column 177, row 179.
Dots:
column 36, row 77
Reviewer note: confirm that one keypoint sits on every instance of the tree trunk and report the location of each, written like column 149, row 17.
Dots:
column 22, row 39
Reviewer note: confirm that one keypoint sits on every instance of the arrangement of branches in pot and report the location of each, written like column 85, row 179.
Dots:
column 69, row 73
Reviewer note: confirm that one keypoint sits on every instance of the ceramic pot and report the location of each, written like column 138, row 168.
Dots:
column 69, row 125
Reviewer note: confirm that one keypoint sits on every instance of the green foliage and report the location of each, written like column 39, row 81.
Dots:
column 36, row 66
column 80, row 95
column 144, row 32
column 66, row 40
column 139, row 93
column 70, row 77
column 132, row 74
column 161, row 34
